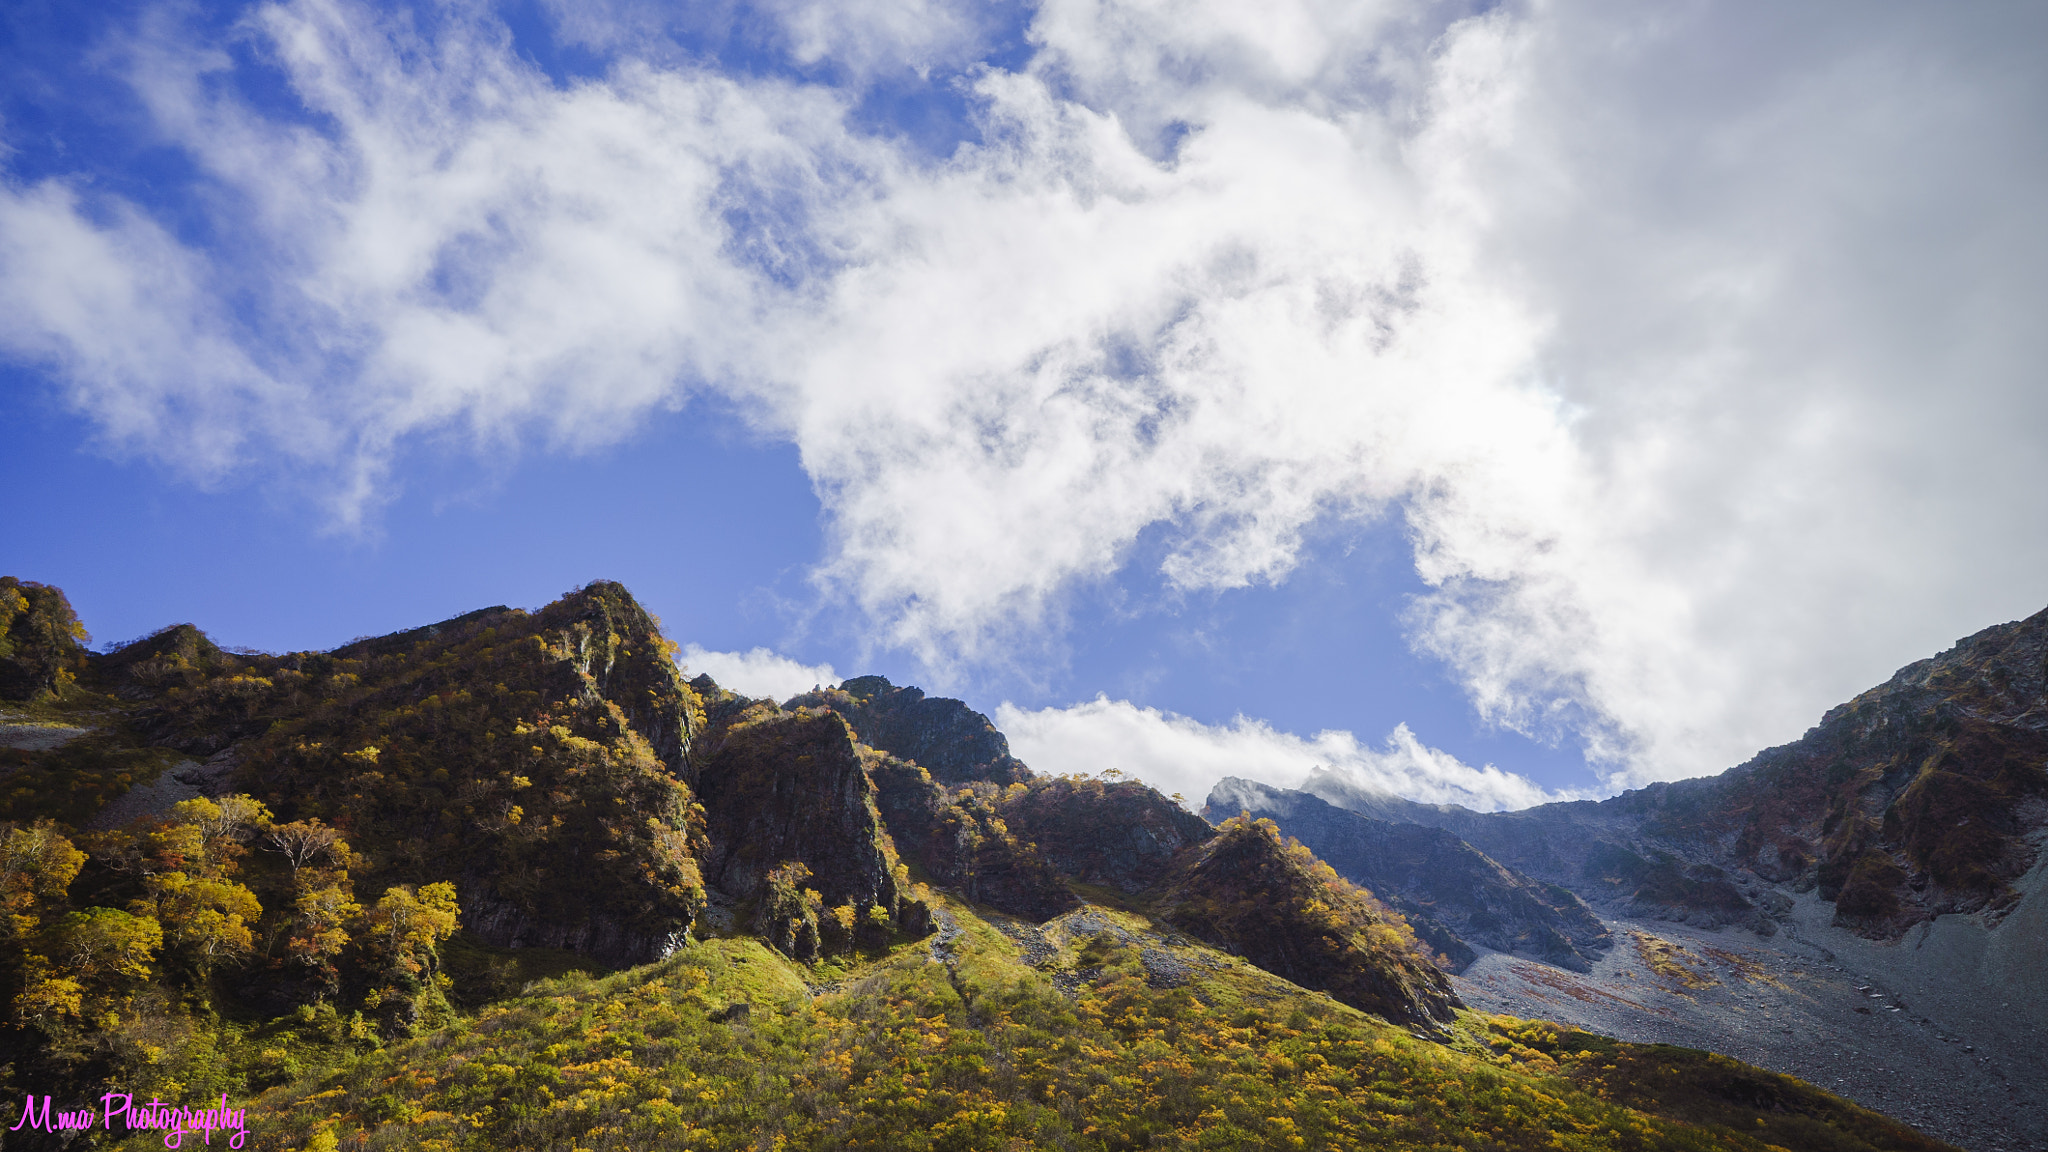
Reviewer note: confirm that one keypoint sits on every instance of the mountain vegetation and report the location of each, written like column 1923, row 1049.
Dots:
column 42, row 644
column 512, row 881
column 1291, row 914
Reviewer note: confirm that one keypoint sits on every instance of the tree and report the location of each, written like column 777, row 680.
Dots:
column 147, row 847
column 319, row 930
column 223, row 825
column 208, row 918
column 407, row 926
column 107, row 942
column 304, row 841
column 48, row 997
column 37, row 865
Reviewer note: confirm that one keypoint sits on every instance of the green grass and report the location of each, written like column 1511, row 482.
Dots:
column 987, row 1053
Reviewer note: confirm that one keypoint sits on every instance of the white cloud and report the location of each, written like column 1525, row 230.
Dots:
column 119, row 310
column 1177, row 754
column 757, row 672
column 860, row 40
column 1696, row 345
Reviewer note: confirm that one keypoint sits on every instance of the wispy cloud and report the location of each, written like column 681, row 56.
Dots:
column 1176, row 754
column 1694, row 346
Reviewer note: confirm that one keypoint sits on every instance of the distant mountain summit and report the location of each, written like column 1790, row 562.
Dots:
column 1924, row 796
column 1454, row 895
column 1886, row 868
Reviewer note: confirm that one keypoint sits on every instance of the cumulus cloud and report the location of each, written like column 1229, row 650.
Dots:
column 757, row 672
column 1176, row 754
column 1693, row 345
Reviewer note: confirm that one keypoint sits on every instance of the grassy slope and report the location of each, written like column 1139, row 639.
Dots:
column 956, row 1043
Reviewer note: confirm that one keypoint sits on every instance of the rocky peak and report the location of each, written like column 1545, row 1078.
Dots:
column 619, row 645
column 953, row 742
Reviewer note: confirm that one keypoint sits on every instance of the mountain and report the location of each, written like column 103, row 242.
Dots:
column 1922, row 797
column 1869, row 896
column 1292, row 915
column 1118, row 833
column 1454, row 895
column 954, row 743
column 510, row 881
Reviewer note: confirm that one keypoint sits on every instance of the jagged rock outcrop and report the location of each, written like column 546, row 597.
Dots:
column 953, row 742
column 958, row 838
column 789, row 786
column 619, row 645
column 1925, row 795
column 1120, row 834
column 1452, row 894
column 1278, row 906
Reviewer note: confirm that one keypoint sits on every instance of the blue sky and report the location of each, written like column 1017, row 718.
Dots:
column 1406, row 387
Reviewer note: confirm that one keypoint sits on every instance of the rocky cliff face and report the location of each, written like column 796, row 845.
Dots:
column 1453, row 895
column 957, row 836
column 954, row 743
column 790, row 787
column 1925, row 795
column 1122, row 834
column 1275, row 904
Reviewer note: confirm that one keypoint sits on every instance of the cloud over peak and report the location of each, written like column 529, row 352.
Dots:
column 1176, row 754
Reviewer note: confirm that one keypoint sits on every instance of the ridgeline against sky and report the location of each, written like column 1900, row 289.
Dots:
column 1494, row 402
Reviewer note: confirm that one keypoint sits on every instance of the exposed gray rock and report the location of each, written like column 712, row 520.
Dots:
column 1453, row 895
column 953, row 742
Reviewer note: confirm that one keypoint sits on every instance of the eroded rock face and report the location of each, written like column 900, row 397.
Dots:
column 953, row 742
column 1124, row 834
column 790, row 786
column 1453, row 895
column 1925, row 795
column 958, row 837
column 507, row 924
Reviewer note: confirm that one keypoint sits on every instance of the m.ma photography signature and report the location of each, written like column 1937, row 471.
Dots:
column 175, row 1121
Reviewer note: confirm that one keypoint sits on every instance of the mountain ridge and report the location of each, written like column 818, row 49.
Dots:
column 395, row 839
column 1923, row 796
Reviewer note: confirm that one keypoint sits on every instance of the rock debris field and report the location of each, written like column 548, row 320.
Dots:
column 1910, row 1029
